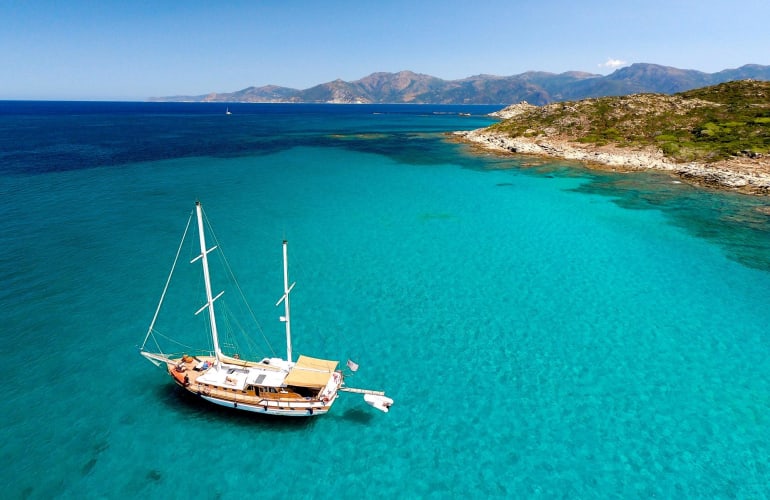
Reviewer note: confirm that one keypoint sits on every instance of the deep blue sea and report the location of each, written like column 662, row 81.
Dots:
column 546, row 331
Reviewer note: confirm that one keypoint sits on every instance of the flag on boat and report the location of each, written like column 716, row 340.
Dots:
column 353, row 366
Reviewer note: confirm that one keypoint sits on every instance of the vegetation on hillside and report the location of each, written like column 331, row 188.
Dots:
column 706, row 125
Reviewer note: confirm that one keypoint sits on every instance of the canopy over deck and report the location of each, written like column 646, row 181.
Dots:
column 311, row 372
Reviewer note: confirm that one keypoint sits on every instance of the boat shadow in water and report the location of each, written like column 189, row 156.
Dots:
column 195, row 408
column 358, row 416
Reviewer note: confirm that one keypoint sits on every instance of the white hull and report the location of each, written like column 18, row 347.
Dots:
column 267, row 410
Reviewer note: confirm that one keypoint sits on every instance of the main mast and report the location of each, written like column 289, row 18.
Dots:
column 209, row 299
column 286, row 318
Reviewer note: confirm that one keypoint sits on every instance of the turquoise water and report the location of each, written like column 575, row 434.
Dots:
column 545, row 331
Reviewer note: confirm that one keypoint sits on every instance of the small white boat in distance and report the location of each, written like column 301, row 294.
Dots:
column 227, row 112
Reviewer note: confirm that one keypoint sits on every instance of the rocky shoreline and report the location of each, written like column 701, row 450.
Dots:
column 747, row 175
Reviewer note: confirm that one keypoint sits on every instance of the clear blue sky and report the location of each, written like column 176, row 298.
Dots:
column 134, row 49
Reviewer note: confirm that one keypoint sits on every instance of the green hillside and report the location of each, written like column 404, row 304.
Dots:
column 706, row 125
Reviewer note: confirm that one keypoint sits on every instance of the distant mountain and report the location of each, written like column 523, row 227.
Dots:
column 535, row 87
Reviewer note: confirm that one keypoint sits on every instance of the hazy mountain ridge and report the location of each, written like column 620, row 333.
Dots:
column 536, row 87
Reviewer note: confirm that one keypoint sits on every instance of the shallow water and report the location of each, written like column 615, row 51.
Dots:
column 543, row 330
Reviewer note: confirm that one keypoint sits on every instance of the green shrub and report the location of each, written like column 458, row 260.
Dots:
column 670, row 148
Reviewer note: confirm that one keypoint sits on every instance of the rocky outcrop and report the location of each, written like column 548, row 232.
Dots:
column 714, row 135
column 514, row 110
column 751, row 175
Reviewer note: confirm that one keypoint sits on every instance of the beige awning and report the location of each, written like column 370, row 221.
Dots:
column 311, row 372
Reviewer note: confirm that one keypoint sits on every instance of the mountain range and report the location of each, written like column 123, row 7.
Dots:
column 535, row 87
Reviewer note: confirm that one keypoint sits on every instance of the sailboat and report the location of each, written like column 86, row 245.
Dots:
column 227, row 111
column 304, row 387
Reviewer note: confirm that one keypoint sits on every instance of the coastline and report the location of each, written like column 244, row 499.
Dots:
column 746, row 175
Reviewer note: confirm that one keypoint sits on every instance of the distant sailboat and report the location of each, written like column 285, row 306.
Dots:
column 228, row 111
column 305, row 387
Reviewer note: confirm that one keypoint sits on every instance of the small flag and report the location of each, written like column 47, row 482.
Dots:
column 353, row 366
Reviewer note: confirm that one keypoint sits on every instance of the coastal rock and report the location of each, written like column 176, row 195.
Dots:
column 716, row 136
column 514, row 110
column 750, row 175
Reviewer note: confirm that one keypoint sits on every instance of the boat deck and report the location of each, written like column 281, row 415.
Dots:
column 228, row 386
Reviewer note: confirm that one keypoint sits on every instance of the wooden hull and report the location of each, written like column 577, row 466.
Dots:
column 284, row 404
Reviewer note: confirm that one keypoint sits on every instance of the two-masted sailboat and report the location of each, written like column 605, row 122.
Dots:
column 302, row 387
